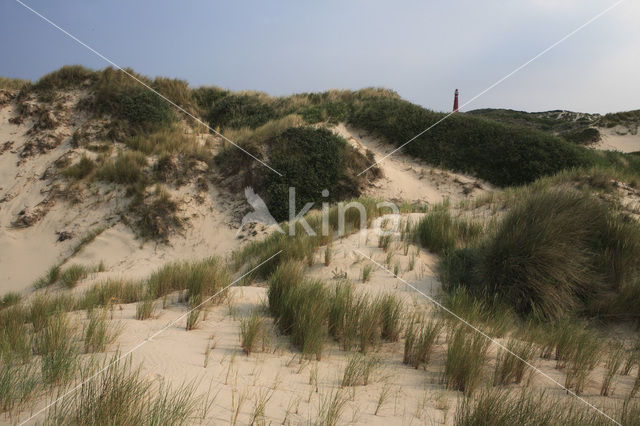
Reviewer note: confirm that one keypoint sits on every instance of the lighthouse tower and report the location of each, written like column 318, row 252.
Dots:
column 455, row 101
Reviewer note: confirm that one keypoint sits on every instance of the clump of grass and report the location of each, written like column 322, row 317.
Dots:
column 18, row 385
column 583, row 358
column 494, row 406
column 282, row 284
column 13, row 83
column 310, row 311
column 127, row 168
column 390, row 308
column 120, row 395
column 331, row 408
column 420, row 337
column 252, row 329
column 412, row 261
column 193, row 318
column 328, row 253
column 9, row 299
column 367, row 269
column 358, row 370
column 70, row 276
column 440, row 233
column 51, row 277
column 55, row 342
column 112, row 292
column 97, row 334
column 509, row 367
column 632, row 358
column 81, row 169
column 157, row 215
column 558, row 252
column 369, row 325
column 612, row 365
column 43, row 306
column 145, row 309
column 384, row 242
column 385, row 394
column 466, row 356
column 344, row 314
column 300, row 307
column 362, row 320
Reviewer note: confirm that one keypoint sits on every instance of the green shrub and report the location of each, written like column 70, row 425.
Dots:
column 585, row 136
column 141, row 110
column 309, row 159
column 499, row 153
column 241, row 110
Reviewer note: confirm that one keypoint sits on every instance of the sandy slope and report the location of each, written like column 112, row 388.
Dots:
column 26, row 253
column 406, row 178
column 618, row 139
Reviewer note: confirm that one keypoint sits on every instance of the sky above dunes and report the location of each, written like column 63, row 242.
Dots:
column 423, row 50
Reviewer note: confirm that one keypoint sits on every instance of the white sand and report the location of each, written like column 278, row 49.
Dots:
column 618, row 139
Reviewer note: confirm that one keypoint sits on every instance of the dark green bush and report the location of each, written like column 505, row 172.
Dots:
column 136, row 107
column 240, row 110
column 311, row 160
column 499, row 153
column 585, row 136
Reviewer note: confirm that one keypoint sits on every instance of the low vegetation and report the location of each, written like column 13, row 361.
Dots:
column 466, row 357
column 120, row 394
column 556, row 252
column 502, row 408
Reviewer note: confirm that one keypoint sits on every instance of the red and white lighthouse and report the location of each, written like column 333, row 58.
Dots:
column 455, row 101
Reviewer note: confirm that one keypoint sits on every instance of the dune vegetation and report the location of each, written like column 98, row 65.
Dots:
column 534, row 274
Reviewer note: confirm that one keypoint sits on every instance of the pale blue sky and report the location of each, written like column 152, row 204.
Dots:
column 423, row 50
